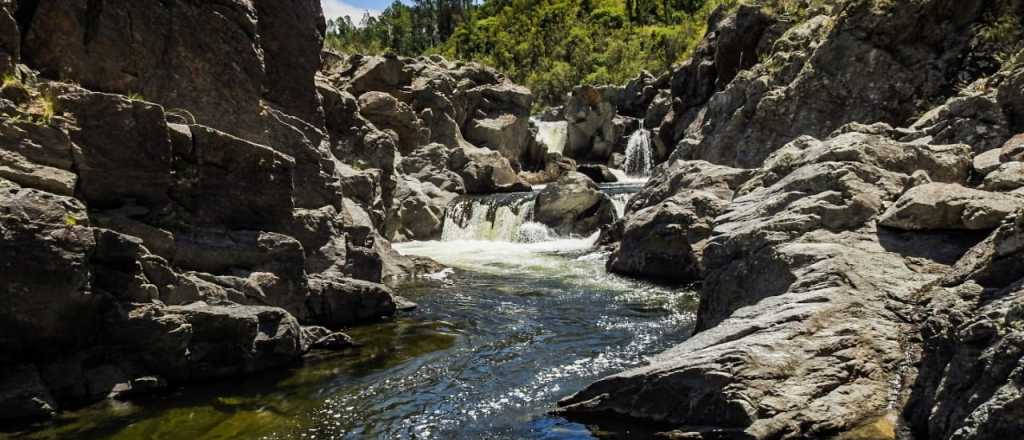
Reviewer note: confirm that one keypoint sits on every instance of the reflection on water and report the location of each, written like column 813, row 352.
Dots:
column 491, row 349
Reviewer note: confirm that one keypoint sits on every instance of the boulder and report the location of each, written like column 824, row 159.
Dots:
column 485, row 171
column 673, row 177
column 987, row 162
column 666, row 241
column 597, row 173
column 949, row 206
column 418, row 211
column 201, row 341
column 573, row 206
column 388, row 113
column 507, row 134
column 430, row 164
column 336, row 302
column 1013, row 150
column 1008, row 177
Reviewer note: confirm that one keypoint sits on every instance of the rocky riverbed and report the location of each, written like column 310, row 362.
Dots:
column 829, row 197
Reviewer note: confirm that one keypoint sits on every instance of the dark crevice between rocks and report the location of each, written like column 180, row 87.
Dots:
column 24, row 14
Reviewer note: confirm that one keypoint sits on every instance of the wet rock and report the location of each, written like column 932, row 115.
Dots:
column 573, row 205
column 333, row 342
column 949, row 206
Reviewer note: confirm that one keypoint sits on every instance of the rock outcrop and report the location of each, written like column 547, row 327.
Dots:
column 847, row 289
column 182, row 200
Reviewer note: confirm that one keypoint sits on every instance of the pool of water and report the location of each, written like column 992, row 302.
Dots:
column 495, row 343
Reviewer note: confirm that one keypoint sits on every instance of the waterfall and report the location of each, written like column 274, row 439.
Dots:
column 498, row 217
column 509, row 217
column 639, row 155
column 620, row 201
column 552, row 134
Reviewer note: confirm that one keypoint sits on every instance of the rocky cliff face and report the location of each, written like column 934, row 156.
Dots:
column 187, row 187
column 841, row 189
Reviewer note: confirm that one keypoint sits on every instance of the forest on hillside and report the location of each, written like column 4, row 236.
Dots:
column 548, row 45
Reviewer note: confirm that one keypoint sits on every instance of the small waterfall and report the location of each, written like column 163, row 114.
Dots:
column 552, row 134
column 639, row 154
column 498, row 217
column 620, row 201
column 509, row 217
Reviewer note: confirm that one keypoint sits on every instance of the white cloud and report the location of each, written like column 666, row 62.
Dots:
column 337, row 8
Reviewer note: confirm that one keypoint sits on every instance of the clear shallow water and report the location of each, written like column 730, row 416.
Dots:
column 495, row 344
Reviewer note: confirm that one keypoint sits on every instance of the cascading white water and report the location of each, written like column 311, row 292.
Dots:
column 639, row 154
column 620, row 201
column 552, row 134
column 497, row 218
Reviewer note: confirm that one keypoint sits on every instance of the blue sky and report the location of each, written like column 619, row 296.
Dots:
column 353, row 8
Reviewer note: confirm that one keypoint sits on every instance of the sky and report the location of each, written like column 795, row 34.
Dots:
column 353, row 8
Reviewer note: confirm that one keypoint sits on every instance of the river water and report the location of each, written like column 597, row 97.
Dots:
column 496, row 341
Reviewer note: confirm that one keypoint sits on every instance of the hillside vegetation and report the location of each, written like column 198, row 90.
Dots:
column 548, row 45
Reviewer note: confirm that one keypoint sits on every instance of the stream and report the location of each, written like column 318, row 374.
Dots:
column 519, row 322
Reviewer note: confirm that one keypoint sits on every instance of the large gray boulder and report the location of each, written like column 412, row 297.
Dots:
column 485, row 171
column 949, row 206
column 574, row 205
column 666, row 241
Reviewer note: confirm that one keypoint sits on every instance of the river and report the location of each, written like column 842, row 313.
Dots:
column 496, row 341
